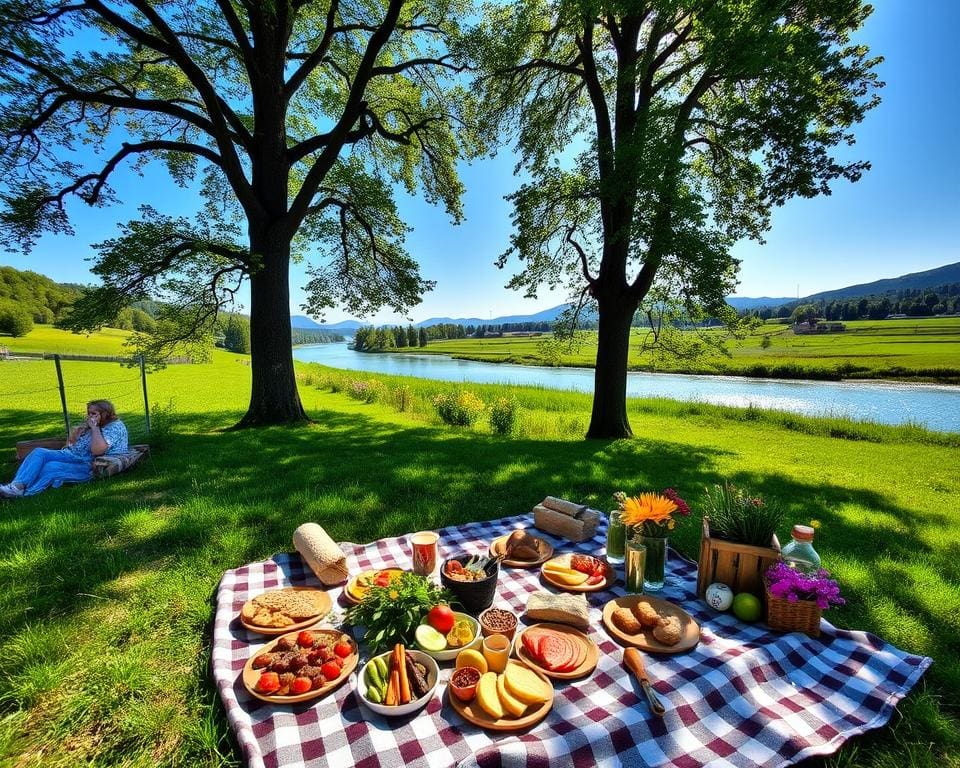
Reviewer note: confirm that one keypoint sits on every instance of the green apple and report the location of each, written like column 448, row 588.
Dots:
column 747, row 607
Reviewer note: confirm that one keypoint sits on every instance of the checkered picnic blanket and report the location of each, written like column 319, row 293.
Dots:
column 745, row 696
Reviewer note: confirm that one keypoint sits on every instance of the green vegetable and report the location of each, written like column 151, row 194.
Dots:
column 391, row 614
column 373, row 676
column 382, row 667
column 374, row 695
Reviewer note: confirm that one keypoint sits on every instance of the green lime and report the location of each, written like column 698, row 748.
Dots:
column 747, row 607
column 429, row 639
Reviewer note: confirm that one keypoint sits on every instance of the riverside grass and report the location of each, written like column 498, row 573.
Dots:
column 918, row 349
column 105, row 616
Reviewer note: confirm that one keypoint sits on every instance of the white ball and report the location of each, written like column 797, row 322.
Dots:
column 719, row 596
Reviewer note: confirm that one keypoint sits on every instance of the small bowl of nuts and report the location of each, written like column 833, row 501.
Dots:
column 498, row 621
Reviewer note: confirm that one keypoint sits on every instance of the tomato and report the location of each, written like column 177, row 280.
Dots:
column 330, row 670
column 441, row 618
column 343, row 650
column 382, row 579
column 301, row 685
column 269, row 682
column 305, row 639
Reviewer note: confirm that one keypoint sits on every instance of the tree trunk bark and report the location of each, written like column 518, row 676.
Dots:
column 609, row 417
column 274, row 398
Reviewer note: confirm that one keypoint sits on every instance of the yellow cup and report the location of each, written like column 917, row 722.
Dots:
column 496, row 650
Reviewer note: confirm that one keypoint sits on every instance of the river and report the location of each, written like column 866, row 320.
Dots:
column 934, row 406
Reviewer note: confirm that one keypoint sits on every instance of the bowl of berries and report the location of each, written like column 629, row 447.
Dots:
column 300, row 666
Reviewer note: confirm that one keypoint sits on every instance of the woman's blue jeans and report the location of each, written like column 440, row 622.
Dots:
column 48, row 468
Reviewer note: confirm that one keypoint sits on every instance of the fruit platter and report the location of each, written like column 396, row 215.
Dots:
column 558, row 651
column 512, row 700
column 300, row 666
column 443, row 633
column 399, row 682
column 360, row 584
column 578, row 573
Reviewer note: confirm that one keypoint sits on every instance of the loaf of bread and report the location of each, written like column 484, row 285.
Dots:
column 321, row 553
column 564, row 609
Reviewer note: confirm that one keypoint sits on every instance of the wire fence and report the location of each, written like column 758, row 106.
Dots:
column 35, row 385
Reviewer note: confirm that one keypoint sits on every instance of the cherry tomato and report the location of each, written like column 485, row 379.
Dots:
column 343, row 650
column 330, row 670
column 305, row 639
column 269, row 682
column 301, row 685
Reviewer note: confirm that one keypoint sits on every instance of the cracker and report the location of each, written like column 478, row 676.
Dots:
column 624, row 619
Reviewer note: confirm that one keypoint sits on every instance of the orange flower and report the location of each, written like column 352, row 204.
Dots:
column 648, row 508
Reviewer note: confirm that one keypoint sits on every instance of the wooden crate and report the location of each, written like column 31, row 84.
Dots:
column 739, row 566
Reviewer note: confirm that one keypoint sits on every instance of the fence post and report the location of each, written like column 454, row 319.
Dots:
column 63, row 394
column 146, row 403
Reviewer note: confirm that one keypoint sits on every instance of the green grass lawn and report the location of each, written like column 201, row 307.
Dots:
column 923, row 348
column 105, row 619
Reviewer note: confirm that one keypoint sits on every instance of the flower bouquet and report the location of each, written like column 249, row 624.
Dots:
column 795, row 599
column 649, row 517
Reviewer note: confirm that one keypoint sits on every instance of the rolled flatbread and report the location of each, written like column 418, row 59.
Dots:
column 321, row 553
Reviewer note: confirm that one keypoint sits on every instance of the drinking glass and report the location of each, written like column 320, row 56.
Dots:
column 424, row 545
column 636, row 563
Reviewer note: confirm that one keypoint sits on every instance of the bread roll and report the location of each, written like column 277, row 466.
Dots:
column 321, row 553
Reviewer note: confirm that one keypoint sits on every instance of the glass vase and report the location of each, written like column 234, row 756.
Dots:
column 655, row 567
column 616, row 534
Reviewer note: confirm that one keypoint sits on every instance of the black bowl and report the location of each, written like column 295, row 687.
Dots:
column 474, row 596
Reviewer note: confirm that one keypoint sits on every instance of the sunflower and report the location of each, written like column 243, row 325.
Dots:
column 649, row 508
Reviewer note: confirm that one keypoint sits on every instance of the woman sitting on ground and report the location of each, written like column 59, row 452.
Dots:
column 102, row 433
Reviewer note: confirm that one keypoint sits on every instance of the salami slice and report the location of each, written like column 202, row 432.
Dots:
column 553, row 651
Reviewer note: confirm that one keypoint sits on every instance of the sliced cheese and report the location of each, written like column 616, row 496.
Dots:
column 487, row 696
column 525, row 684
column 511, row 703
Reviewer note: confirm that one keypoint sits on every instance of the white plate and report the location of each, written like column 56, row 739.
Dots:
column 449, row 654
column 433, row 677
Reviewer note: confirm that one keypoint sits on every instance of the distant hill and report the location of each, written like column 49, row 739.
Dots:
column 930, row 278
column 747, row 302
column 303, row 322
column 544, row 316
column 45, row 299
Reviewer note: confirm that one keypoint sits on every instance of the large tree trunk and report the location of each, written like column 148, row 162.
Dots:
column 274, row 398
column 609, row 417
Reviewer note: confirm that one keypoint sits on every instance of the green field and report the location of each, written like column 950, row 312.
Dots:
column 917, row 349
column 105, row 618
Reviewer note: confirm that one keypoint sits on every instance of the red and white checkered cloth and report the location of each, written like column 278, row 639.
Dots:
column 745, row 696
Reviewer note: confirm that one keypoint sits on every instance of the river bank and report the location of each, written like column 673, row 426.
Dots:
column 930, row 406
column 922, row 350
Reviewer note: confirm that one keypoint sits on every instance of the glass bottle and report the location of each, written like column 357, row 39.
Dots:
column 636, row 554
column 799, row 553
column 616, row 537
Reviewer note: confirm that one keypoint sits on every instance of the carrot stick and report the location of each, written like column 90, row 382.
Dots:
column 391, row 699
column 404, row 680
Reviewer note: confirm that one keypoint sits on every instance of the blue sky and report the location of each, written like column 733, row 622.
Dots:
column 902, row 216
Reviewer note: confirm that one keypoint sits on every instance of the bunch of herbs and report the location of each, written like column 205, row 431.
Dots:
column 738, row 515
column 390, row 614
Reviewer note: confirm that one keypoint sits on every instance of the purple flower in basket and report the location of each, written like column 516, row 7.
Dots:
column 793, row 585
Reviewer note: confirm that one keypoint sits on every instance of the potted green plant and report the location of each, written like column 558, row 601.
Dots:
column 739, row 540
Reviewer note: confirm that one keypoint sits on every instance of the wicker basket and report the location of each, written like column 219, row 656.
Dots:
column 739, row 566
column 801, row 616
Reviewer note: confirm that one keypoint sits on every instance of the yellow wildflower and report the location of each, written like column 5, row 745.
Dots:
column 648, row 508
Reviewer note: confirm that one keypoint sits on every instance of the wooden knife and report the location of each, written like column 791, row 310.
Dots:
column 634, row 662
